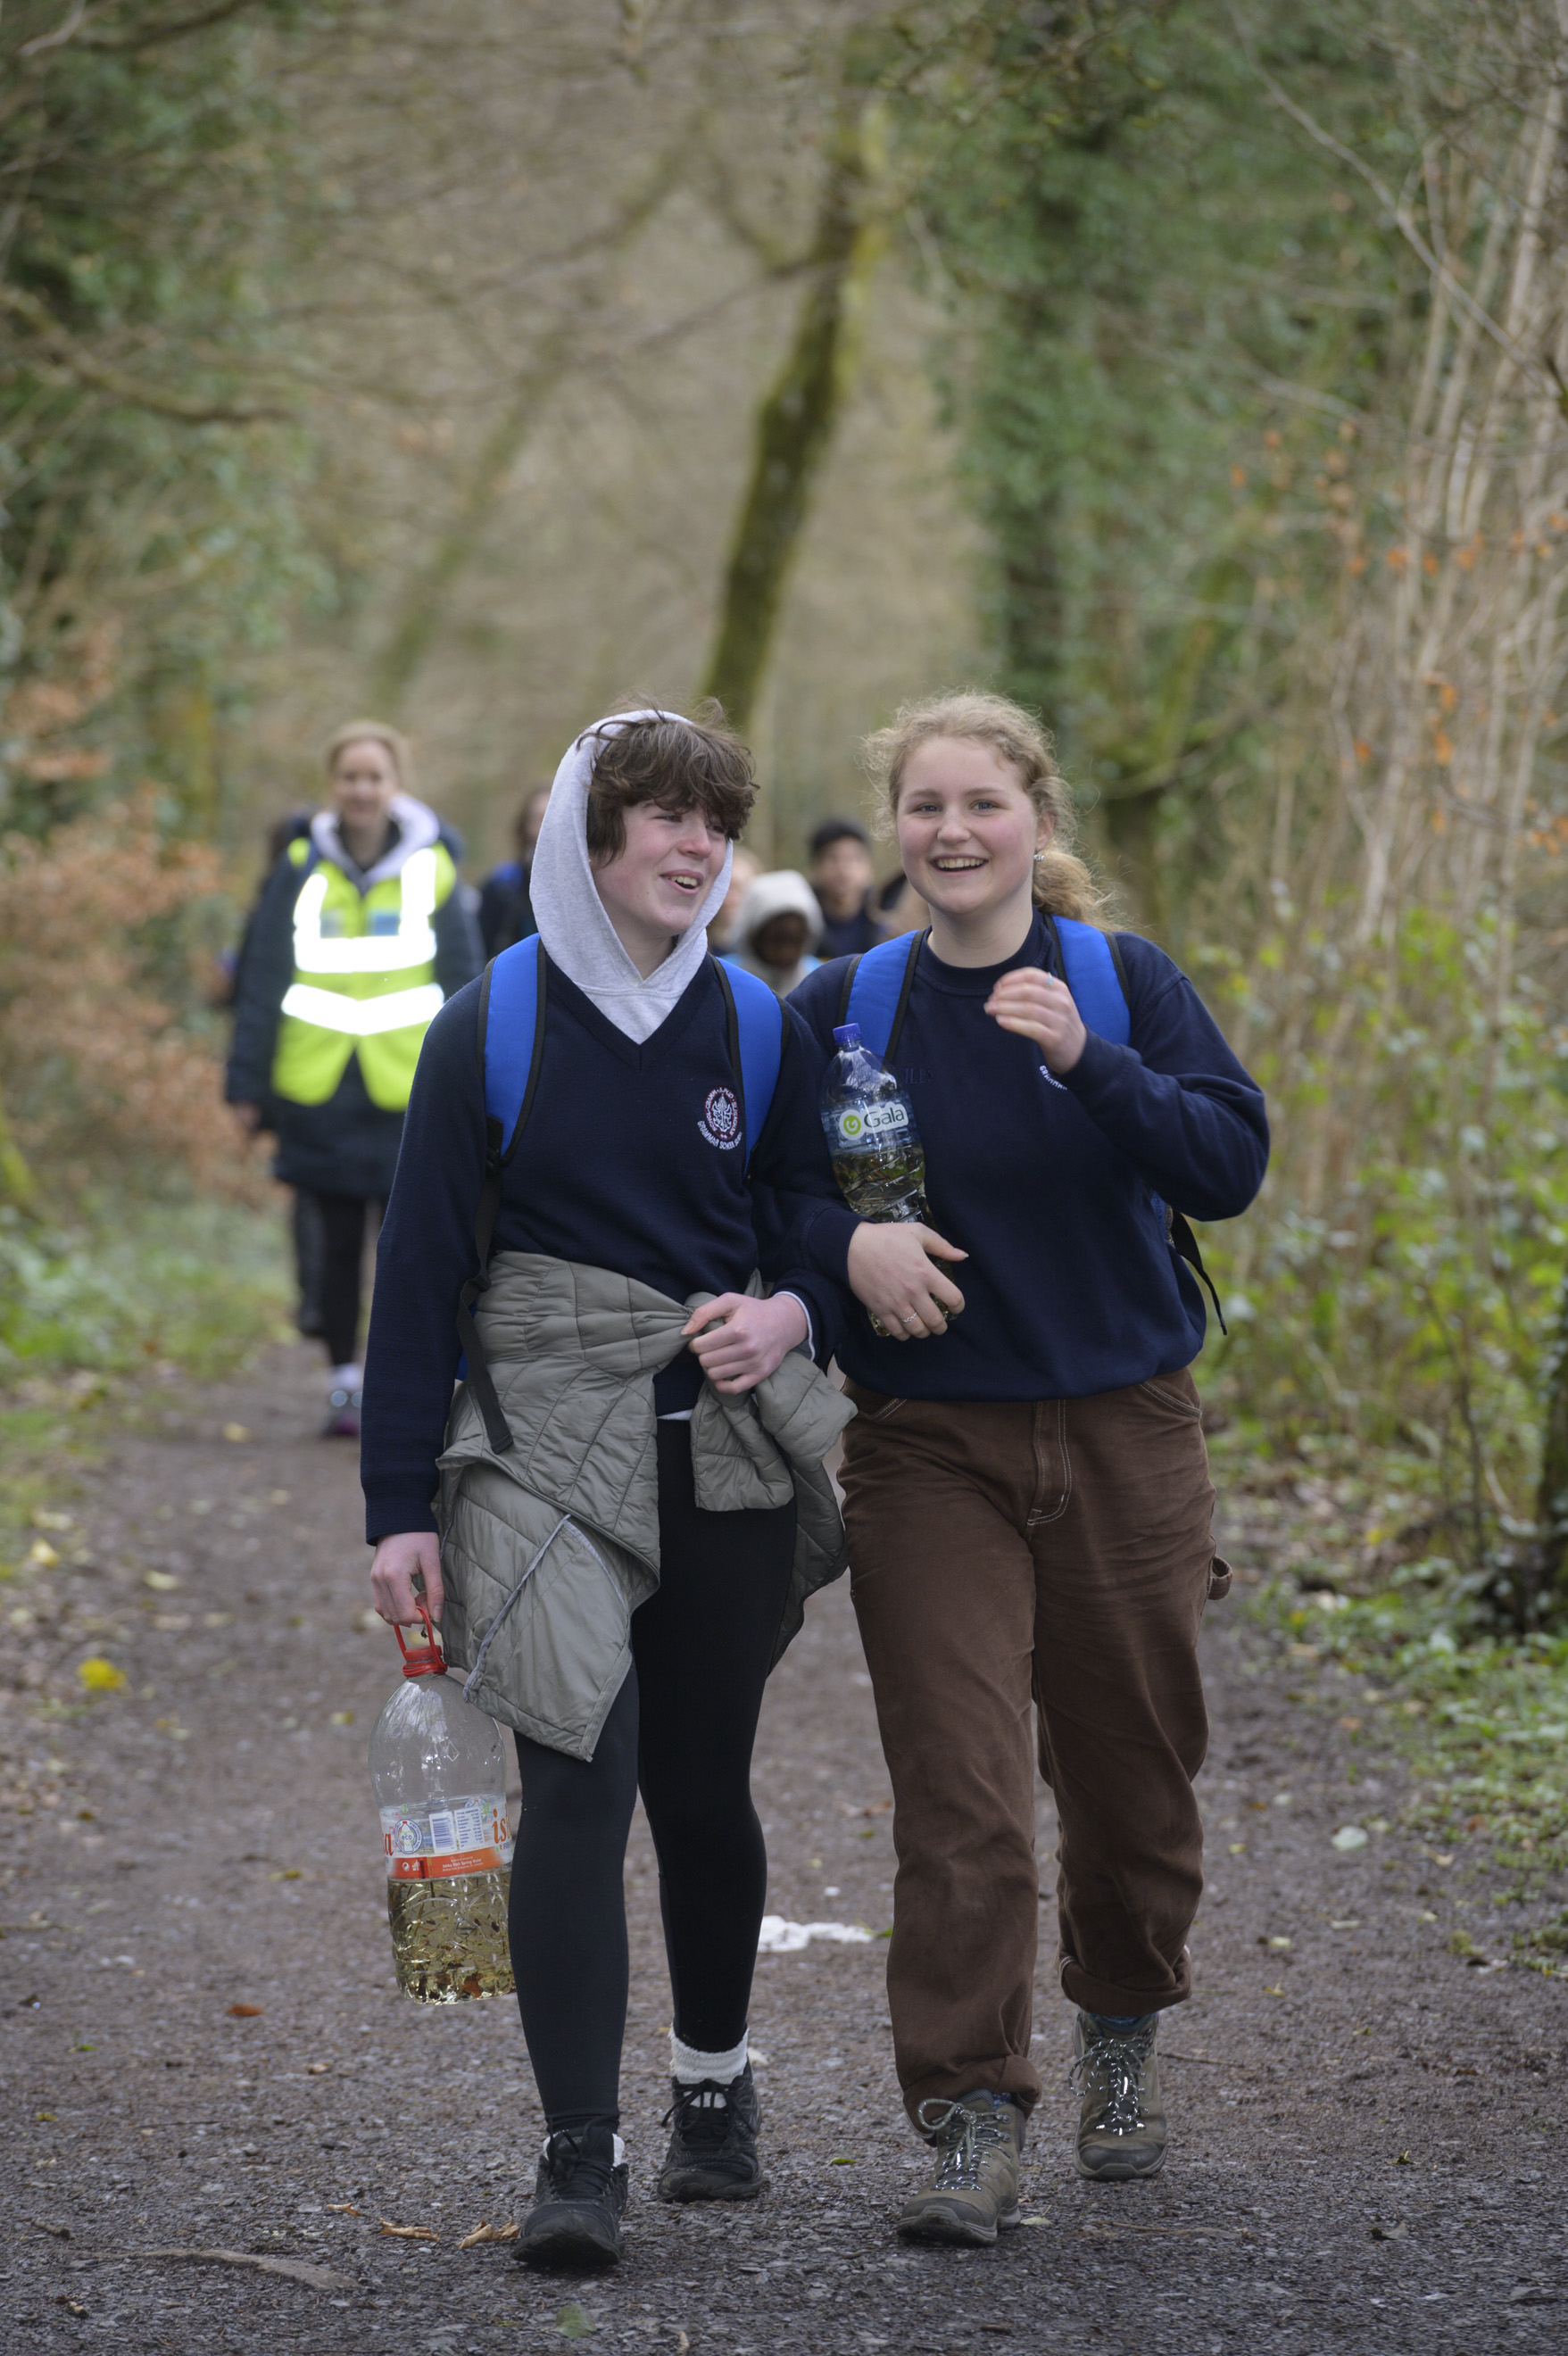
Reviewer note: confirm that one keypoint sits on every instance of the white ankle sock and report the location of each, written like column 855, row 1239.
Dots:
column 345, row 1379
column 688, row 2066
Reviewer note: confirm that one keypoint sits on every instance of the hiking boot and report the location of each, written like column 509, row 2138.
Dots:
column 579, row 2196
column 1122, row 2125
column 713, row 2151
column 980, row 2142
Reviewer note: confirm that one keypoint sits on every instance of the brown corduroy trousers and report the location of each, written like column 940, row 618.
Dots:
column 1022, row 1565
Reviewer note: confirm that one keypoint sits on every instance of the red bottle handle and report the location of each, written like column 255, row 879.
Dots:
column 426, row 1659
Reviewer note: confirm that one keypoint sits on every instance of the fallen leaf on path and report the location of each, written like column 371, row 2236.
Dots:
column 163, row 1581
column 71, row 2306
column 1350, row 1836
column 43, row 1520
column 42, row 1554
column 488, row 2233
column 99, row 1675
column 410, row 2232
column 245, row 2012
column 344, row 2209
column 292, row 2269
column 236, row 1431
column 316, row 2069
column 60, row 2233
column 682, row 2345
column 572, row 2324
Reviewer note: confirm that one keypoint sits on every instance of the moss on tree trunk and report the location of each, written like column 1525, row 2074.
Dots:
column 795, row 424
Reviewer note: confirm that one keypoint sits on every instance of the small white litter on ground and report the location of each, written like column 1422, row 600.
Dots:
column 777, row 1937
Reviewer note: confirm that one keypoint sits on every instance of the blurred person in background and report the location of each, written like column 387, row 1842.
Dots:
column 841, row 876
column 744, row 872
column 505, row 913
column 778, row 926
column 360, row 935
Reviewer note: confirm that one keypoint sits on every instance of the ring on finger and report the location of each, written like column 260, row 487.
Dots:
column 914, row 1320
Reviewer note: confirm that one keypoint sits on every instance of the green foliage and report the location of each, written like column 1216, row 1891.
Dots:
column 145, row 405
column 1481, row 1723
column 1402, row 1299
column 194, row 1289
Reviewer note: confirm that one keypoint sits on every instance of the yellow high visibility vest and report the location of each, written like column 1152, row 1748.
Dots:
column 364, row 978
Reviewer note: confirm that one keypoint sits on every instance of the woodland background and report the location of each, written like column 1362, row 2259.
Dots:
column 1195, row 372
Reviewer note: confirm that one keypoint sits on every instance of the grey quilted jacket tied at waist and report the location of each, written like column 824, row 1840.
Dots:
column 547, row 1550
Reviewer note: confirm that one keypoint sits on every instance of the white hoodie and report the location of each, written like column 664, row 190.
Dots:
column 574, row 923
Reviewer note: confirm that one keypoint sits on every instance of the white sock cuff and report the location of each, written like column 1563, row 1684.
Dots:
column 345, row 1379
column 621, row 2148
column 690, row 2065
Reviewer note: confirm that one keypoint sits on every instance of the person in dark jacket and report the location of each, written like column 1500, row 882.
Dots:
column 841, row 876
column 360, row 935
column 1026, row 1494
column 506, row 913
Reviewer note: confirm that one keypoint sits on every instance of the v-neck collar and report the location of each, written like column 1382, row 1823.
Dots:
column 638, row 1055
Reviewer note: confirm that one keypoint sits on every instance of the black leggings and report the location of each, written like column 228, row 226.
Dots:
column 681, row 1730
column 342, row 1260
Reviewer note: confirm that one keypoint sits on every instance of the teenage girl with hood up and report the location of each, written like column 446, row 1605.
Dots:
column 640, row 1176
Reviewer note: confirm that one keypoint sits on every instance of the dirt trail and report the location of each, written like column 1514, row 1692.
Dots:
column 1367, row 2136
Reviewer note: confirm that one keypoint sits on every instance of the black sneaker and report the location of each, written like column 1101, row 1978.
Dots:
column 579, row 2196
column 713, row 2151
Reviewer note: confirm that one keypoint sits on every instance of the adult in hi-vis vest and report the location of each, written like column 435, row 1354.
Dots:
column 359, row 936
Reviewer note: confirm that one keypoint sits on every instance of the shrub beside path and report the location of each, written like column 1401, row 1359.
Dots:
column 220, row 2103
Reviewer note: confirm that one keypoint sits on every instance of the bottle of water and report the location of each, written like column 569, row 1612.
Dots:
column 438, row 1773
column 877, row 1156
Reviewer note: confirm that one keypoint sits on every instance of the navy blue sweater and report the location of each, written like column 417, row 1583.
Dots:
column 619, row 1167
column 1070, row 1287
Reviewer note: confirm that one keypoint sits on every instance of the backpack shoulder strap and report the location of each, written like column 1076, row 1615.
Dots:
column 1093, row 973
column 511, row 1036
column 754, row 1019
column 509, row 1040
column 876, row 990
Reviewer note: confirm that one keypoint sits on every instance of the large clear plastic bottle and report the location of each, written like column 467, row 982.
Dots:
column 877, row 1156
column 437, row 1769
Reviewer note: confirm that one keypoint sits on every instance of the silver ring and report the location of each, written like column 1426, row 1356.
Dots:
column 912, row 1321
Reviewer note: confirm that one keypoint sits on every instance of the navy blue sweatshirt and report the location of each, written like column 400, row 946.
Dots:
column 620, row 1167
column 1070, row 1287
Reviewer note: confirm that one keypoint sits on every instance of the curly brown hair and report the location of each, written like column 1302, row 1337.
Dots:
column 1063, row 885
column 696, row 764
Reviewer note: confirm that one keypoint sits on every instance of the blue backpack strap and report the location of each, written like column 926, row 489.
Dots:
column 876, row 990
column 1093, row 969
column 756, row 1020
column 511, row 1034
column 509, row 1040
column 1092, row 973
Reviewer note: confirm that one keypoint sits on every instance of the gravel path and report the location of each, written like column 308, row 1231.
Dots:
column 205, row 2053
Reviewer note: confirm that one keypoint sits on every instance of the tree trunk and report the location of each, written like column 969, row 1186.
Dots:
column 795, row 424
column 422, row 608
column 1552, row 1499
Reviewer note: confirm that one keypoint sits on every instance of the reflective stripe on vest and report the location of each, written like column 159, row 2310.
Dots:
column 362, row 1018
column 413, row 943
column 364, row 982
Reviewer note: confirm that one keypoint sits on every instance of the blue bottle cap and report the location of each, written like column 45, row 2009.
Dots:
column 847, row 1033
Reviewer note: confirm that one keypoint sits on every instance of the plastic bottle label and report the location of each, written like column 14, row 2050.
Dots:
column 873, row 1122
column 466, row 1835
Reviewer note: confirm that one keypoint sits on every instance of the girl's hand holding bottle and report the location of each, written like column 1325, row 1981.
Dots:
column 398, row 1561
column 891, row 1273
